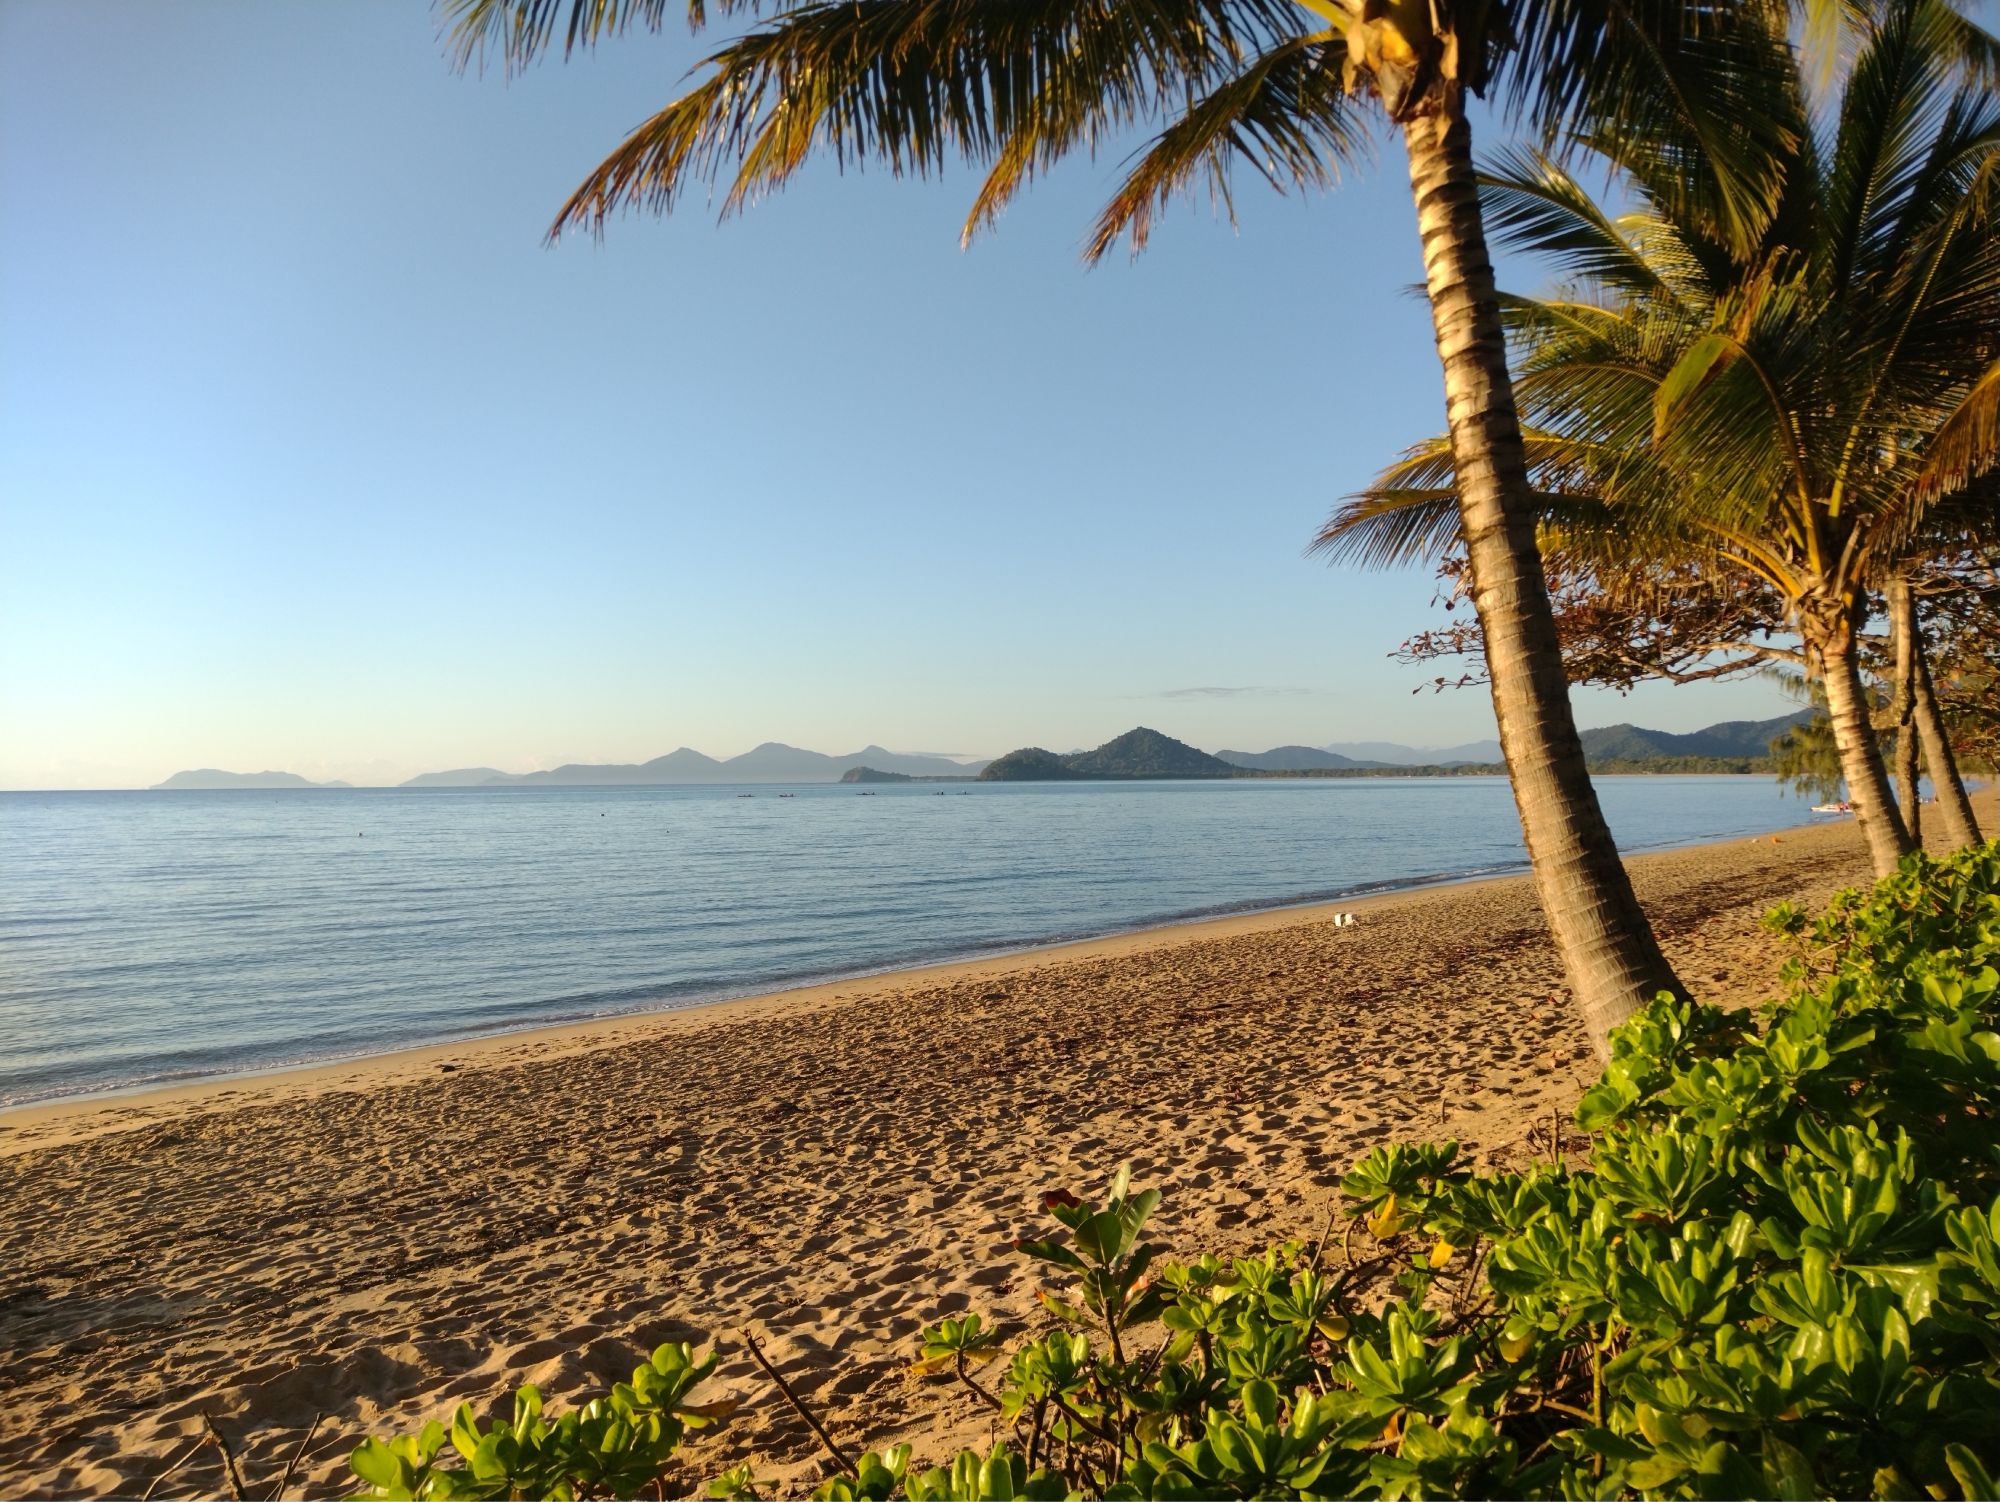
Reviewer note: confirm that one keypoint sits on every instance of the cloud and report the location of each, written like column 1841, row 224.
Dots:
column 1216, row 691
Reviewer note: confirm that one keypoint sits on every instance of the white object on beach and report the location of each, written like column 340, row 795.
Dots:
column 1343, row 920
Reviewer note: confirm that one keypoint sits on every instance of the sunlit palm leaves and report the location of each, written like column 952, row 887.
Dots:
column 1285, row 114
column 1795, row 406
column 1791, row 406
column 1010, row 86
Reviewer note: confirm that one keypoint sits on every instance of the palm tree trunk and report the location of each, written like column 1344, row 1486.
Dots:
column 1829, row 636
column 1903, row 638
column 1961, row 828
column 1613, row 962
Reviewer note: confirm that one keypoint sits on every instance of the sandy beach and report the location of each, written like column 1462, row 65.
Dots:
column 829, row 1168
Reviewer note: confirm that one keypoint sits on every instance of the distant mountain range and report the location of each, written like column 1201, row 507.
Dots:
column 1390, row 754
column 1363, row 756
column 1147, row 753
column 1730, row 738
column 209, row 778
column 1733, row 739
column 1137, row 753
column 771, row 762
column 1295, row 759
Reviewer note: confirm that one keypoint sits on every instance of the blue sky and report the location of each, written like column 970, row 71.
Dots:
column 314, row 456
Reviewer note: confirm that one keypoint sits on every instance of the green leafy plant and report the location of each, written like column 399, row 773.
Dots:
column 1777, row 1276
column 614, row 1446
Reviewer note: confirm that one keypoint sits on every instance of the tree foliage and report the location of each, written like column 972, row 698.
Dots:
column 1788, row 409
column 1805, row 758
column 1011, row 87
column 1619, row 627
column 1806, row 404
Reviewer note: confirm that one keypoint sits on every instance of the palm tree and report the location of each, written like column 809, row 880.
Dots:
column 1793, row 406
column 1014, row 85
column 1901, row 602
column 1965, row 537
column 1954, row 804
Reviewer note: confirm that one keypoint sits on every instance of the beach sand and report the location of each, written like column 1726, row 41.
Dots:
column 829, row 1169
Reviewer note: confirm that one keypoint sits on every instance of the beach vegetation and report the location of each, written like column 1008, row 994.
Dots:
column 1764, row 1260
column 617, row 1445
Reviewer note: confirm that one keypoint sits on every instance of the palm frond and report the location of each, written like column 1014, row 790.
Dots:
column 1410, row 513
column 1428, row 465
column 1697, row 363
column 1708, row 83
column 1975, row 49
column 1824, row 28
column 522, row 30
column 1909, row 342
column 1734, row 437
column 915, row 84
column 1531, row 203
column 1960, row 155
column 1390, row 527
column 1965, row 445
column 1287, row 114
column 1899, row 92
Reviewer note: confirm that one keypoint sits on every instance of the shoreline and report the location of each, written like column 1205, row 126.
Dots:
column 829, row 1168
column 589, row 1034
column 1332, row 774
column 580, row 1034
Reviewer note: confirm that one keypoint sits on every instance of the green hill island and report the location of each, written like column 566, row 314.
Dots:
column 1143, row 753
column 1136, row 753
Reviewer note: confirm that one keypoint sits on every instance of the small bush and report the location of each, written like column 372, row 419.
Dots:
column 614, row 1446
column 1778, row 1276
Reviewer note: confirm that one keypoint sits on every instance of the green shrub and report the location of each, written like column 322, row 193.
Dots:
column 614, row 1446
column 1779, row 1276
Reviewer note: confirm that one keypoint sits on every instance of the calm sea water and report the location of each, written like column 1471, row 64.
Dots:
column 156, row 937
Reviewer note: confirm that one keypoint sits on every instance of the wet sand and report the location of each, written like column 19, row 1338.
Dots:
column 829, row 1168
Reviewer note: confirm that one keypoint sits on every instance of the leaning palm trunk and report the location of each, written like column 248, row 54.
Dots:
column 1903, row 639
column 1608, row 951
column 1960, row 827
column 1827, row 626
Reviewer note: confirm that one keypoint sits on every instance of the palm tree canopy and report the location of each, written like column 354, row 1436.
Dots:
column 1011, row 86
column 1796, row 406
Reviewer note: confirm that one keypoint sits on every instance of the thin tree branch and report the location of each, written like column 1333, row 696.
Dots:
column 297, row 1455
column 229, row 1471
column 799, row 1408
column 201, row 1442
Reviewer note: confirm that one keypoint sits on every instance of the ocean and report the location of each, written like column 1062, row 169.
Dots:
column 149, row 938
